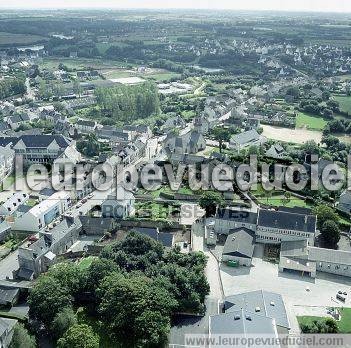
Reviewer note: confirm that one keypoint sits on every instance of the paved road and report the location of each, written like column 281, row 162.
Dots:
column 189, row 325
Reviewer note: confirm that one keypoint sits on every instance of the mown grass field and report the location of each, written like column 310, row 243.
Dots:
column 311, row 122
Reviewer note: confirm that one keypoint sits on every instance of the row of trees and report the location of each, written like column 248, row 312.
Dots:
column 10, row 87
column 128, row 103
column 133, row 288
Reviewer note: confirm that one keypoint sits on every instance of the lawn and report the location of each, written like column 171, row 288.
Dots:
column 280, row 200
column 311, row 122
column 86, row 262
column 345, row 103
column 344, row 324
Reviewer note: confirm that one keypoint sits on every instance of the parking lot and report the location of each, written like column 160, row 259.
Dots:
column 294, row 288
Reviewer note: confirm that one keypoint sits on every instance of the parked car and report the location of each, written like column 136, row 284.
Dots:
column 340, row 297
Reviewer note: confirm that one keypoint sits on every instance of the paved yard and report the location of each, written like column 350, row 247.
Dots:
column 265, row 275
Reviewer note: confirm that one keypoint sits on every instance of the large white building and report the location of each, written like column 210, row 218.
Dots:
column 41, row 215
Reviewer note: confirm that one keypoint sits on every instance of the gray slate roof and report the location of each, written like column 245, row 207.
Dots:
column 286, row 221
column 246, row 137
column 237, row 215
column 259, row 302
column 240, row 243
column 241, row 322
column 340, row 257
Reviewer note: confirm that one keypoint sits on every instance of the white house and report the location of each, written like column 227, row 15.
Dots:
column 42, row 214
column 12, row 203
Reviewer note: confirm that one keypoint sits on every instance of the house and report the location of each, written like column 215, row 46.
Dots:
column 7, row 157
column 245, row 140
column 97, row 226
column 242, row 323
column 201, row 124
column 37, row 257
column 166, row 239
column 344, row 203
column 239, row 246
column 118, row 205
column 8, row 296
column 173, row 123
column 85, row 126
column 191, row 142
column 277, row 226
column 16, row 120
column 5, row 230
column 228, row 219
column 276, row 151
column 7, row 327
column 302, row 258
column 42, row 214
column 260, row 302
column 112, row 134
column 12, row 203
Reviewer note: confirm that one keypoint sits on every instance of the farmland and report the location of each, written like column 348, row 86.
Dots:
column 19, row 39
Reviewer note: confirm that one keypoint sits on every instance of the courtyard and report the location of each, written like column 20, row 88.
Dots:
column 301, row 294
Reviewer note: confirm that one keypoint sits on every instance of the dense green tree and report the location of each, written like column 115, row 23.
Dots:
column 63, row 321
column 47, row 298
column 69, row 275
column 325, row 213
column 89, row 146
column 21, row 338
column 221, row 135
column 321, row 326
column 79, row 336
column 127, row 103
column 98, row 270
column 330, row 233
column 135, row 252
column 209, row 201
column 127, row 302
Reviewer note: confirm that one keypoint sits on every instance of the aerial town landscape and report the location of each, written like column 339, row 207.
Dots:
column 174, row 178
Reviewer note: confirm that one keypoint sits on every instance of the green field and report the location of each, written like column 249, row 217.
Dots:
column 311, row 122
column 345, row 103
column 344, row 324
column 19, row 39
